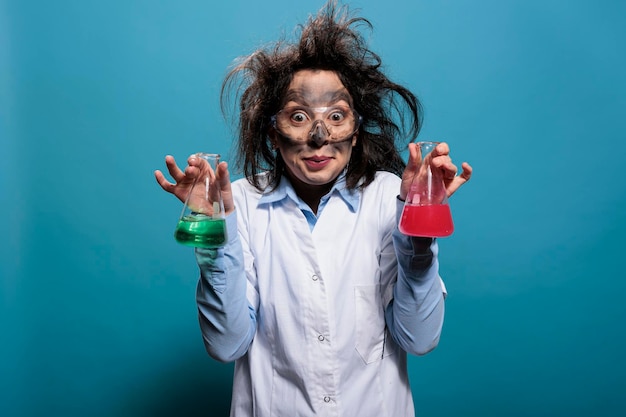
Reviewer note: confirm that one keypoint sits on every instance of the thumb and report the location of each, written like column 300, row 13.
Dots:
column 223, row 179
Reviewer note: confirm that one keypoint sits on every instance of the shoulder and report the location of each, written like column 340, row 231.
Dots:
column 245, row 194
column 379, row 202
column 387, row 177
column 242, row 189
column 385, row 183
column 382, row 192
column 245, row 184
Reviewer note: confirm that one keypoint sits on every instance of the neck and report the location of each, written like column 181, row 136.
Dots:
column 310, row 194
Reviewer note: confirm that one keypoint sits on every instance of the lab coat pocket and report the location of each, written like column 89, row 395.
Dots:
column 371, row 338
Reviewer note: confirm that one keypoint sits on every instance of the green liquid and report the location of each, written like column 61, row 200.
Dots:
column 201, row 232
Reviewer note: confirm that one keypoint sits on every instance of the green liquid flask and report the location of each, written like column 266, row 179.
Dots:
column 201, row 223
column 201, row 231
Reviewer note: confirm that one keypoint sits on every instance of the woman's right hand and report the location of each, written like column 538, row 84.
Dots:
column 183, row 180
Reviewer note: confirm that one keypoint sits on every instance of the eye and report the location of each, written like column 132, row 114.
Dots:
column 298, row 117
column 337, row 116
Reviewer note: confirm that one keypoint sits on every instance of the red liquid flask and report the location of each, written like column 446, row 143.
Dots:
column 426, row 211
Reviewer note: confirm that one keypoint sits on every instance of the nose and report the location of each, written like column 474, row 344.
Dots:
column 318, row 133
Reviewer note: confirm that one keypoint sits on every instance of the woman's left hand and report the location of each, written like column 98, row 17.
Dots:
column 439, row 159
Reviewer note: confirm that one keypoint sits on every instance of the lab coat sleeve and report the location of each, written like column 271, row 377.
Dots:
column 415, row 314
column 227, row 321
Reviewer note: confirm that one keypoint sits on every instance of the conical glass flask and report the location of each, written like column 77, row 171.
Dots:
column 426, row 210
column 201, row 222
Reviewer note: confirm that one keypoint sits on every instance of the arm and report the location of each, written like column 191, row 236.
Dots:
column 227, row 321
column 415, row 314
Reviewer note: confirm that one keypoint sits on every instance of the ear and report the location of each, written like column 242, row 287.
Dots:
column 354, row 138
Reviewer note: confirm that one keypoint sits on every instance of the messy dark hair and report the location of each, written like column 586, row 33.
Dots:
column 329, row 41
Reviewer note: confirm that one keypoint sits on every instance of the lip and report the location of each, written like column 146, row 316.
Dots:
column 317, row 161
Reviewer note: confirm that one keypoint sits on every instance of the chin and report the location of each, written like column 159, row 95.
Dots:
column 322, row 176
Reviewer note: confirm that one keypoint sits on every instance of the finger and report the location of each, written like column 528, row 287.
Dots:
column 193, row 160
column 410, row 170
column 441, row 149
column 223, row 176
column 445, row 165
column 439, row 156
column 223, row 179
column 414, row 156
column 163, row 182
column 176, row 173
column 467, row 171
column 197, row 165
column 443, row 162
column 191, row 172
column 459, row 180
column 449, row 170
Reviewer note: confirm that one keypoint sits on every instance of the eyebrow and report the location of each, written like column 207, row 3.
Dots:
column 305, row 97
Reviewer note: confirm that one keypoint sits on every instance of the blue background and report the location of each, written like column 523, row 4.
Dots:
column 97, row 312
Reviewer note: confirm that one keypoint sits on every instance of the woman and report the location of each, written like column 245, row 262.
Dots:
column 317, row 296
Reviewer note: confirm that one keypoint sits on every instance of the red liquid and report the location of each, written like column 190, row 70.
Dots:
column 426, row 221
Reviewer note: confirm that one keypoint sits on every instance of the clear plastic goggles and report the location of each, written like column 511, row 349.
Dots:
column 318, row 124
